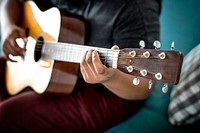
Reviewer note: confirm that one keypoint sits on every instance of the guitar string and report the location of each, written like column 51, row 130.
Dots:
column 63, row 44
column 111, row 54
column 109, row 61
column 76, row 45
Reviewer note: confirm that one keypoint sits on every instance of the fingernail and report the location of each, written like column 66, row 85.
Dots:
column 93, row 54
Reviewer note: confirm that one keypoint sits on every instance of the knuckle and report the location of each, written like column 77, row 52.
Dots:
column 88, row 60
column 82, row 63
column 101, row 71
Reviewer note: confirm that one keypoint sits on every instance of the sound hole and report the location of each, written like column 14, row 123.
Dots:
column 38, row 48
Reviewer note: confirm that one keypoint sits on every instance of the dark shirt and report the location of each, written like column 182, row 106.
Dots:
column 121, row 22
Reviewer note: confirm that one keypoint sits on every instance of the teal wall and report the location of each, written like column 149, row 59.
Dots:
column 0, row 45
column 180, row 22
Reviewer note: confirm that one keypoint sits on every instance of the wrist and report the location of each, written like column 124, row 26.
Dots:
column 112, row 78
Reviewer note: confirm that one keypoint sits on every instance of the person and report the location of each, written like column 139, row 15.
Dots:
column 103, row 96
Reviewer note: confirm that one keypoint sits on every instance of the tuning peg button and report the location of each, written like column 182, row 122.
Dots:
column 142, row 44
column 172, row 46
column 158, row 76
column 157, row 44
column 165, row 88
column 146, row 54
column 162, row 55
column 150, row 84
column 130, row 69
column 132, row 53
column 143, row 72
column 136, row 81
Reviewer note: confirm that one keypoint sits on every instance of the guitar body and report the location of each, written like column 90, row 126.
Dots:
column 45, row 75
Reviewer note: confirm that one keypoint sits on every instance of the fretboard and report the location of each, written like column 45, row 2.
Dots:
column 74, row 53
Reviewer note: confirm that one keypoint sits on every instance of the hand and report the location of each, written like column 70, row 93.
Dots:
column 93, row 70
column 10, row 45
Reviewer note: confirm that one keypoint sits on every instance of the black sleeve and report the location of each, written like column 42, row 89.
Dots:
column 138, row 21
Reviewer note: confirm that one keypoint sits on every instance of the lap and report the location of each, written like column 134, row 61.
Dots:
column 87, row 109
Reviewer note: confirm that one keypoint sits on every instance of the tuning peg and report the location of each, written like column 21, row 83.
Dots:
column 162, row 55
column 146, row 54
column 142, row 44
column 158, row 76
column 143, row 72
column 172, row 46
column 150, row 84
column 157, row 44
column 136, row 81
column 165, row 88
column 130, row 69
column 132, row 53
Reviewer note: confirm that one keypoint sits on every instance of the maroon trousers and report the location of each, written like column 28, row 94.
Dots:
column 88, row 109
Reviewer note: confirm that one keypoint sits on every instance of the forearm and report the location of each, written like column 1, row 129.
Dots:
column 122, row 85
column 11, row 12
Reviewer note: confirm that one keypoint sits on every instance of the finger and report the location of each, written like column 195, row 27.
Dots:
column 115, row 47
column 10, row 45
column 98, row 66
column 88, row 57
column 7, row 53
column 84, row 74
column 89, row 62
column 18, row 50
column 8, row 58
column 83, row 62
column 87, row 74
column 8, row 48
column 84, row 67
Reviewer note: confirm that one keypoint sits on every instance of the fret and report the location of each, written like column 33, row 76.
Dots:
column 70, row 55
column 106, row 57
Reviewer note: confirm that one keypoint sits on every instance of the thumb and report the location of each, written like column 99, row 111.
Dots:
column 115, row 47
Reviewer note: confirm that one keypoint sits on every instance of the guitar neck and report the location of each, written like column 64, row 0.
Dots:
column 154, row 64
column 69, row 52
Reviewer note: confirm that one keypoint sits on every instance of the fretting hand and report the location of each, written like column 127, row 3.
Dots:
column 93, row 70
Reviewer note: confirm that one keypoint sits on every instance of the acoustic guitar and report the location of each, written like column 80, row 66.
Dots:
column 55, row 49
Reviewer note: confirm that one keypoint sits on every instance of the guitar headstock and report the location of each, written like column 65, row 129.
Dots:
column 155, row 64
